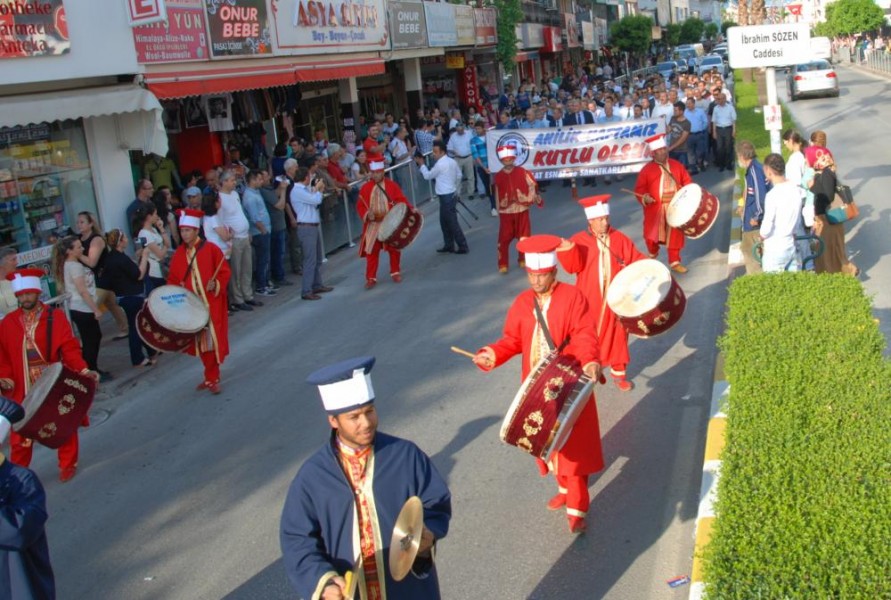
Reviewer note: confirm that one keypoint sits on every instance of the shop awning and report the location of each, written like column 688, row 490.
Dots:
column 178, row 84
column 137, row 112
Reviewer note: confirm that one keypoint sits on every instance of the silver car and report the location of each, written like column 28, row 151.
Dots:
column 814, row 78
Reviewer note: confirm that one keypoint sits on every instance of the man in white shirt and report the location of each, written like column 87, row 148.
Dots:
column 723, row 131
column 305, row 202
column 663, row 108
column 231, row 215
column 447, row 174
column 459, row 149
column 782, row 209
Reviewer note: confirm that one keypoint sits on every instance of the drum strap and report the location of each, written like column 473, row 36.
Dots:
column 191, row 262
column 544, row 328
column 49, row 333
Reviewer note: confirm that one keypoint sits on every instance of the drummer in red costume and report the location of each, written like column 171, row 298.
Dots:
column 376, row 198
column 200, row 266
column 656, row 185
column 595, row 256
column 565, row 312
column 515, row 191
column 24, row 356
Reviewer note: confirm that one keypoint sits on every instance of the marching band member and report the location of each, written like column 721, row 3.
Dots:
column 345, row 499
column 565, row 312
column 657, row 184
column 27, row 349
column 376, row 197
column 596, row 256
column 515, row 191
column 201, row 268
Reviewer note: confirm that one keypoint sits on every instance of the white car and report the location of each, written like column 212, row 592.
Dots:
column 712, row 61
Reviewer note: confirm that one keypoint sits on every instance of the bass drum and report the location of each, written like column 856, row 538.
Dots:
column 401, row 225
column 170, row 318
column 56, row 405
column 693, row 210
column 646, row 298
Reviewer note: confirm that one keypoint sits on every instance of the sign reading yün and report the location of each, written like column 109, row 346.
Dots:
column 769, row 45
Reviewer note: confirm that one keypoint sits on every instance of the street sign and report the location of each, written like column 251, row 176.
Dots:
column 773, row 117
column 769, row 45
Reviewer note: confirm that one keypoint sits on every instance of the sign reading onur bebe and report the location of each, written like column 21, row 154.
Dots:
column 311, row 26
column 33, row 28
column 238, row 28
column 408, row 25
column 769, row 45
column 577, row 151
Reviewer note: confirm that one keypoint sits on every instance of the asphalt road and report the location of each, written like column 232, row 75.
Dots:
column 179, row 493
column 857, row 126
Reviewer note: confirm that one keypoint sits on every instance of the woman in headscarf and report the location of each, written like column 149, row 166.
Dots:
column 834, row 258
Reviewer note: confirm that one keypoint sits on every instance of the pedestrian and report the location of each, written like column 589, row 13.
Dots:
column 376, row 198
column 201, row 268
column 94, row 255
column 231, row 215
column 782, row 218
column 515, row 191
column 126, row 281
column 8, row 263
column 723, row 131
column 480, row 154
column 751, row 210
column 273, row 192
column 447, row 174
column 153, row 238
column 24, row 551
column 32, row 337
column 260, row 231
column 459, row 149
column 193, row 196
column 327, row 527
column 697, row 142
column 292, row 246
column 657, row 183
column 595, row 256
column 144, row 191
column 834, row 258
column 305, row 202
column 565, row 314
column 679, row 128
column 78, row 281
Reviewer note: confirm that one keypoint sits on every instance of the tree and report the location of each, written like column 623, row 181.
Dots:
column 847, row 17
column 757, row 16
column 509, row 14
column 711, row 31
column 633, row 33
column 725, row 25
column 742, row 12
column 692, row 30
column 673, row 34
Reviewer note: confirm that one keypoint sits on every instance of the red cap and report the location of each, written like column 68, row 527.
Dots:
column 596, row 206
column 656, row 142
column 377, row 163
column 540, row 252
column 26, row 280
column 190, row 217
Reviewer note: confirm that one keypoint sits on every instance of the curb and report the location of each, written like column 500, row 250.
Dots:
column 734, row 252
column 711, row 473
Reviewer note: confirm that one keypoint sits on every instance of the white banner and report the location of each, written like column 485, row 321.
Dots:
column 577, row 150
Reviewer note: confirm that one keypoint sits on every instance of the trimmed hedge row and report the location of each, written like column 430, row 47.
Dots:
column 804, row 498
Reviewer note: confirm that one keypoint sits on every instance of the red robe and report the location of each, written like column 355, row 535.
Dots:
column 210, row 258
column 567, row 317
column 515, row 191
column 585, row 260
column 395, row 196
column 648, row 182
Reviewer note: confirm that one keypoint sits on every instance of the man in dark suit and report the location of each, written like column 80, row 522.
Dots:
column 576, row 116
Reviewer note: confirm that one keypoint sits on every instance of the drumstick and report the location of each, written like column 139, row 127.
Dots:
column 457, row 350
column 633, row 192
column 217, row 271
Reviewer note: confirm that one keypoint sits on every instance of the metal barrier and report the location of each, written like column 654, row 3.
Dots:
column 878, row 60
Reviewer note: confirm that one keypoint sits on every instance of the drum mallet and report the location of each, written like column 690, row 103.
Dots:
column 458, row 350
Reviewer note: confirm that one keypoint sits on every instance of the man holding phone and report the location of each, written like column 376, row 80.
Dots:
column 305, row 200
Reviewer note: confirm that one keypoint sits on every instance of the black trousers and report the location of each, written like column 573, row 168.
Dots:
column 90, row 336
column 724, row 147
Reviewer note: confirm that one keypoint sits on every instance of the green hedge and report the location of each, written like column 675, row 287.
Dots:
column 804, row 499
column 750, row 124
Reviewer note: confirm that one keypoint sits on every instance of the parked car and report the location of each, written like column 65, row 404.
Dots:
column 723, row 52
column 682, row 65
column 814, row 78
column 712, row 61
column 666, row 69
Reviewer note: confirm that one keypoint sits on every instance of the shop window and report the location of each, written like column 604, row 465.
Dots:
column 45, row 180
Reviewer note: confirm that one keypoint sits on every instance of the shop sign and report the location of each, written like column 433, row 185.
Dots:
column 183, row 37
column 314, row 26
column 600, row 32
column 146, row 12
column 533, row 35
column 577, row 151
column 238, row 28
column 552, row 40
column 464, row 26
column 33, row 28
column 454, row 60
column 588, row 34
column 571, row 26
column 408, row 27
column 18, row 135
column 470, row 89
column 33, row 256
column 441, row 27
column 485, row 25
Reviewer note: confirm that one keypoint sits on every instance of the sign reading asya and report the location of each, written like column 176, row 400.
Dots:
column 313, row 26
column 316, row 13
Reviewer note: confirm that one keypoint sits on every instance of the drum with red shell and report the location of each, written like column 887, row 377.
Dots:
column 693, row 210
column 646, row 298
column 170, row 318
column 400, row 226
column 546, row 407
column 56, row 405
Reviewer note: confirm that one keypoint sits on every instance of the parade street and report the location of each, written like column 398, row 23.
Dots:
column 179, row 493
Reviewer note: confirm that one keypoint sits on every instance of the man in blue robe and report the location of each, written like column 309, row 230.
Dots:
column 25, row 571
column 341, row 507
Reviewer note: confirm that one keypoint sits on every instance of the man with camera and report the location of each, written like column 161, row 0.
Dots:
column 305, row 200
column 447, row 174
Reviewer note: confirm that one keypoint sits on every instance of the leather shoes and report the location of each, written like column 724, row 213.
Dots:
column 245, row 307
column 624, row 385
column 577, row 525
column 462, row 250
column 397, row 278
column 67, row 474
column 324, row 289
column 370, row 283
column 311, row 297
column 678, row 268
column 253, row 302
column 445, row 250
column 557, row 502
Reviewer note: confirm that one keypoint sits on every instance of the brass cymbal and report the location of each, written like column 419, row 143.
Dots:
column 406, row 538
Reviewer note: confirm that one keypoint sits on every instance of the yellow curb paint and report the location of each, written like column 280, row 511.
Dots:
column 703, row 536
column 714, row 438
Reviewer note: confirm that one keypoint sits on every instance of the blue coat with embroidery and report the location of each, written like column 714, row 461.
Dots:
column 319, row 516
